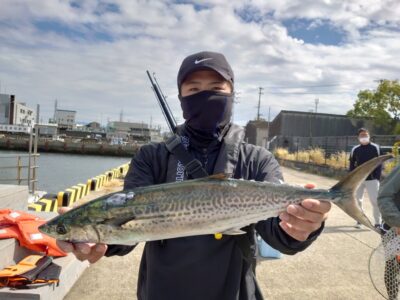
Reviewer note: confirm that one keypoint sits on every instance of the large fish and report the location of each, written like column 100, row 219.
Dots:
column 195, row 207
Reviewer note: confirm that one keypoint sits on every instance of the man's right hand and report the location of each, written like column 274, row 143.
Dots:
column 83, row 251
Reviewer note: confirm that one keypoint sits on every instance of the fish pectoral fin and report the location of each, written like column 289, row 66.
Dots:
column 118, row 222
column 220, row 176
column 234, row 231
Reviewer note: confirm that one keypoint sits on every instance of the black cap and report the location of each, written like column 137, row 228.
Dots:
column 205, row 60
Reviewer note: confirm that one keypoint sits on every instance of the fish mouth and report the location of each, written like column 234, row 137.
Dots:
column 46, row 229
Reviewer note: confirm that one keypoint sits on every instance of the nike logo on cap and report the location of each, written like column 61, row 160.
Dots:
column 201, row 60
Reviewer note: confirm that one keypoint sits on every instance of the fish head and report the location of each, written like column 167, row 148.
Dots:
column 70, row 226
column 65, row 231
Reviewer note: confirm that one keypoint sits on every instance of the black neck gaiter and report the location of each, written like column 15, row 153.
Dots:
column 207, row 111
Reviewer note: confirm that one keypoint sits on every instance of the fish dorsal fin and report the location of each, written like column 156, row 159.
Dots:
column 220, row 176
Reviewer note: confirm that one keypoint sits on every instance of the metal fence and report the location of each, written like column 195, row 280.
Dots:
column 22, row 168
column 335, row 150
column 330, row 144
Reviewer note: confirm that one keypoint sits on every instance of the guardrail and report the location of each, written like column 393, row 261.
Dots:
column 19, row 167
column 31, row 165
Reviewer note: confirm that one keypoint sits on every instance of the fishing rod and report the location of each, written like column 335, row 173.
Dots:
column 162, row 101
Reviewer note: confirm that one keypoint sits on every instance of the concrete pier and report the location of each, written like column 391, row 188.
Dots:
column 22, row 144
column 16, row 198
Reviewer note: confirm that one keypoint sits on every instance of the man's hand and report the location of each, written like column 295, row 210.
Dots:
column 397, row 229
column 299, row 221
column 83, row 251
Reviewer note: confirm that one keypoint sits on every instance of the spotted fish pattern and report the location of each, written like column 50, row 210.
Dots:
column 195, row 207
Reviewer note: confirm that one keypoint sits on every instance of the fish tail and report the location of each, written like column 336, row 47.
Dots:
column 349, row 186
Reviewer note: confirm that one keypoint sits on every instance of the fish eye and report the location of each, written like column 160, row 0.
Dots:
column 60, row 229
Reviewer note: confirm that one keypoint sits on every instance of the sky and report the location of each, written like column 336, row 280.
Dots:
column 92, row 55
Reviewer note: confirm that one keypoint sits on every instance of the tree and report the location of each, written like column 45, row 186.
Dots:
column 381, row 104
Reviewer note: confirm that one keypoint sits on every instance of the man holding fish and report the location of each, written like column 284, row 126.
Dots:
column 201, row 266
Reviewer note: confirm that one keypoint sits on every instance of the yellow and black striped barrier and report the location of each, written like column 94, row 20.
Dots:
column 69, row 196
column 47, row 203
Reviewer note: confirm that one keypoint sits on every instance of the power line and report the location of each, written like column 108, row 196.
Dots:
column 310, row 93
column 315, row 85
column 304, row 86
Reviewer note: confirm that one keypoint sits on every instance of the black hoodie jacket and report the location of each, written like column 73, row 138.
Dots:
column 202, row 267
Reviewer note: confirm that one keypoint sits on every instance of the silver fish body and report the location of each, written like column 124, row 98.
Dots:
column 194, row 207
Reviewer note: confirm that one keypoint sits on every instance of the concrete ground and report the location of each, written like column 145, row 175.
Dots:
column 334, row 267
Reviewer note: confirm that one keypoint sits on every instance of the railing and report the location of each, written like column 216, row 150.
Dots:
column 19, row 167
column 31, row 164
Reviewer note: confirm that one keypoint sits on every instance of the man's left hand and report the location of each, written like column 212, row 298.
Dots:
column 299, row 221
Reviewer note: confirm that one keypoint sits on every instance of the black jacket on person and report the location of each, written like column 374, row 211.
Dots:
column 202, row 267
column 363, row 153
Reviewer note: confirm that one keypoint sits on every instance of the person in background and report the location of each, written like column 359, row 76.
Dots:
column 360, row 154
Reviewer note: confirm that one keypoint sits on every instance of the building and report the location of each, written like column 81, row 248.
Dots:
column 308, row 124
column 5, row 109
column 65, row 119
column 14, row 129
column 257, row 132
column 128, row 130
column 48, row 130
column 93, row 126
column 15, row 113
column 132, row 131
column 297, row 130
column 24, row 115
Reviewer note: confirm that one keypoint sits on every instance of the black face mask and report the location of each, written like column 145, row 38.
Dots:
column 207, row 110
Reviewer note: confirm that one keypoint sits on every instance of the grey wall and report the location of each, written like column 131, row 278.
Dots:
column 4, row 108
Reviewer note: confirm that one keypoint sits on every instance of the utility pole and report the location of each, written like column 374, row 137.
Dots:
column 316, row 104
column 235, row 101
column 260, row 89
column 55, row 110
column 268, row 126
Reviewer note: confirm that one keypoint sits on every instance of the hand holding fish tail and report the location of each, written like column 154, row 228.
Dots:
column 299, row 221
column 83, row 251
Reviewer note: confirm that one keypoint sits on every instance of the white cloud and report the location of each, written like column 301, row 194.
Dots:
column 100, row 77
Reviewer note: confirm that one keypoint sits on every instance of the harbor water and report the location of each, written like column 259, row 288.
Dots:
column 57, row 171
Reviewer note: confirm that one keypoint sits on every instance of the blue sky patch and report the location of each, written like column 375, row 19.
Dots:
column 104, row 8
column 249, row 14
column 196, row 6
column 75, row 4
column 314, row 31
column 86, row 31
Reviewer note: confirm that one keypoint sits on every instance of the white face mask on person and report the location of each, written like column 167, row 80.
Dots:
column 364, row 140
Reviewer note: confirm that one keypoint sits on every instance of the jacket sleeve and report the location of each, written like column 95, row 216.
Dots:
column 378, row 170
column 269, row 230
column 352, row 160
column 139, row 174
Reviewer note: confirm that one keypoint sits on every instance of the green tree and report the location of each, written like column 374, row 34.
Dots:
column 381, row 104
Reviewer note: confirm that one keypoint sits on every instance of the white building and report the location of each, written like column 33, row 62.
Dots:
column 6, row 128
column 15, row 113
column 65, row 118
column 24, row 115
